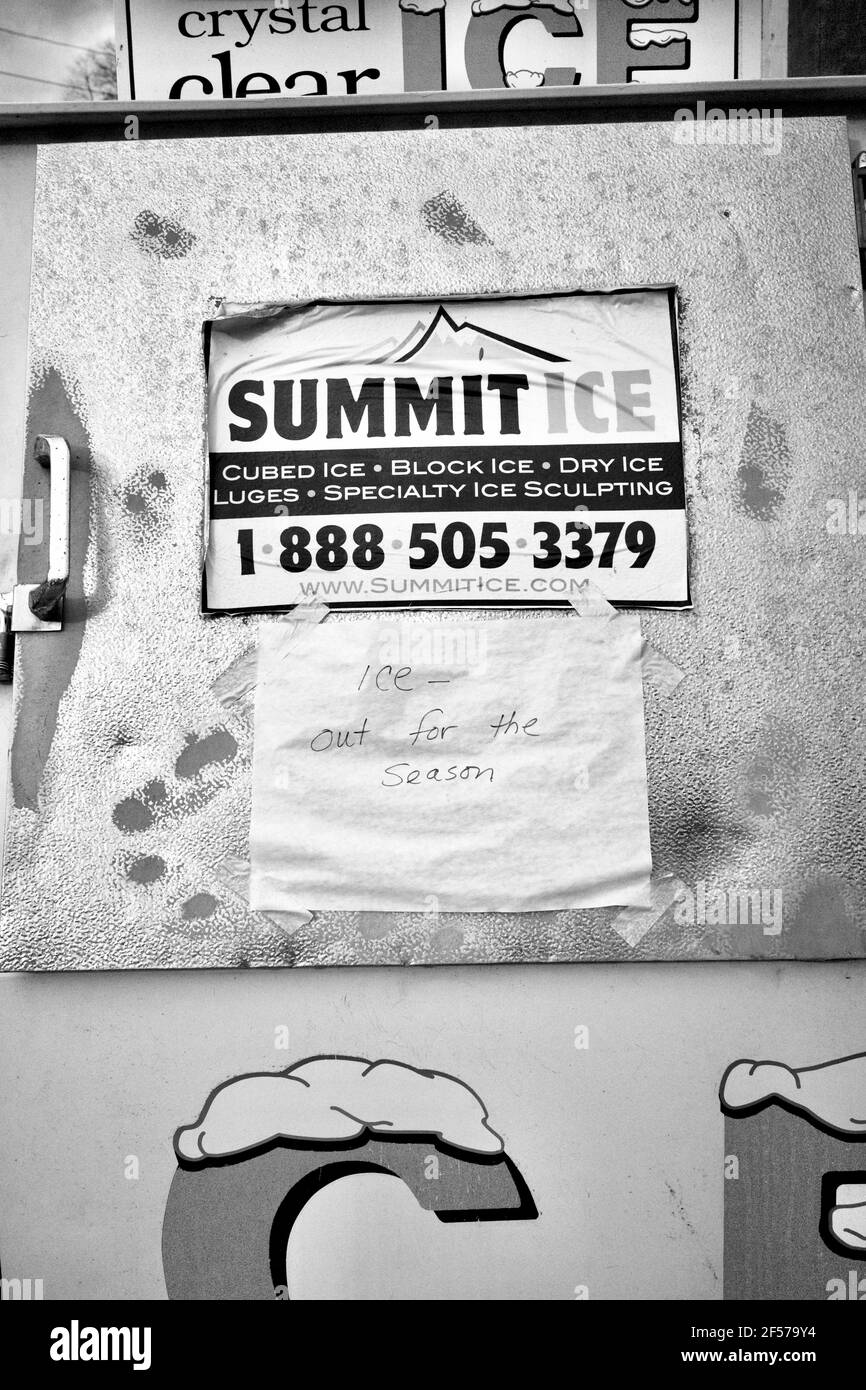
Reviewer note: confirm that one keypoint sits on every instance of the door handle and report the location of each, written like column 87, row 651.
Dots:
column 39, row 607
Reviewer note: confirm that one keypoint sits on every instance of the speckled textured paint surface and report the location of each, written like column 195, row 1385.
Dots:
column 755, row 764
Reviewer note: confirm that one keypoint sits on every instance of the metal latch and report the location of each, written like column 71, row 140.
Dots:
column 39, row 607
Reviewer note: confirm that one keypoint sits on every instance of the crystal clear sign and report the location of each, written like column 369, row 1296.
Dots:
column 169, row 51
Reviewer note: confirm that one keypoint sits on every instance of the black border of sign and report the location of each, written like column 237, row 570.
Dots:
column 504, row 605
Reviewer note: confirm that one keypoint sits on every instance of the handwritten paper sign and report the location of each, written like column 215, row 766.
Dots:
column 488, row 766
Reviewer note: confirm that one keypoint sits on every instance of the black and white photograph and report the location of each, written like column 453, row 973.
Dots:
column 432, row 720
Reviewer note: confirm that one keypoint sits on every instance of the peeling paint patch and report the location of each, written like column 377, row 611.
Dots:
column 447, row 217
column 765, row 465
column 821, row 915
column 147, row 869
column 372, row 925
column 147, row 501
column 218, row 747
column 200, row 905
column 757, row 498
column 161, row 236
column 759, row 801
column 156, row 805
column 446, row 942
column 779, row 770
column 138, row 812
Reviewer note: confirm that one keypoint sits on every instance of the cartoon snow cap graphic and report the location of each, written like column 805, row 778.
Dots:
column 524, row 77
column 832, row 1097
column 833, row 1094
column 263, row 1144
column 333, row 1099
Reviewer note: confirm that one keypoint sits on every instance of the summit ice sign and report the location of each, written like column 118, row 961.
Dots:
column 489, row 452
column 169, row 51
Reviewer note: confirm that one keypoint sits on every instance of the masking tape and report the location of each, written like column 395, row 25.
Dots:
column 633, row 923
column 235, row 686
column 233, row 873
column 237, row 682
column 590, row 602
column 659, row 671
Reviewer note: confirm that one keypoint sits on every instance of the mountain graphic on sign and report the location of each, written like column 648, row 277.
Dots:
column 445, row 340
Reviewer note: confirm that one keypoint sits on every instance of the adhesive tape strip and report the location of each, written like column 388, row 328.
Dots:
column 590, row 602
column 659, row 671
column 633, row 923
column 307, row 612
column 233, row 873
column 237, row 682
